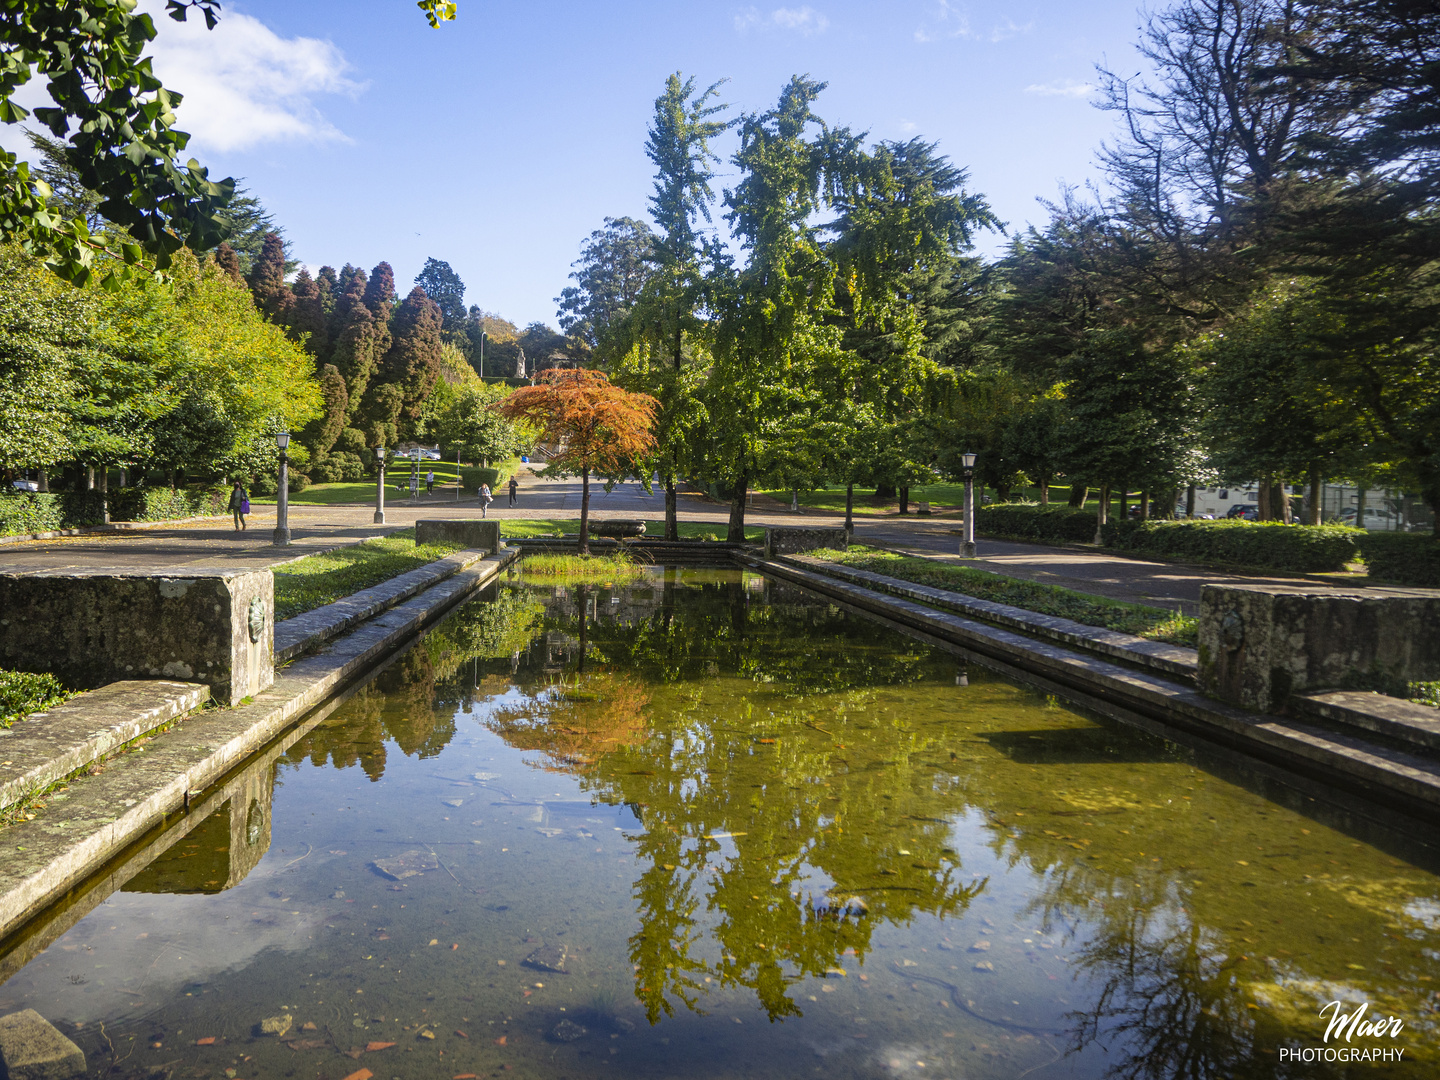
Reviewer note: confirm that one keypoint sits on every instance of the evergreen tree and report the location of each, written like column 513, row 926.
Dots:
column 443, row 285
column 267, row 281
column 380, row 299
column 320, row 434
column 413, row 361
column 612, row 269
column 353, row 350
column 226, row 259
column 307, row 315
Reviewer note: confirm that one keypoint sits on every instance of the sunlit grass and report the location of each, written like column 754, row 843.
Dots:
column 1156, row 624
column 317, row 580
column 582, row 569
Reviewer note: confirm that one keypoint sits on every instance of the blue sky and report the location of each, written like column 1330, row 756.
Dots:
column 499, row 141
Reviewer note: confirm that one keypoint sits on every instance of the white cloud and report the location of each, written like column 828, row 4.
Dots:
column 244, row 84
column 806, row 20
column 951, row 20
column 908, row 126
column 1061, row 88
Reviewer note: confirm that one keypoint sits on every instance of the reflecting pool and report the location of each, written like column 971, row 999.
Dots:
column 704, row 825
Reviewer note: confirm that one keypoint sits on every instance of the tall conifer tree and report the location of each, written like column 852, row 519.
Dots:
column 413, row 361
column 267, row 281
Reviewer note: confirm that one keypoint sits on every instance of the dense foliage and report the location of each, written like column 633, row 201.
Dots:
column 1402, row 559
column 1304, row 549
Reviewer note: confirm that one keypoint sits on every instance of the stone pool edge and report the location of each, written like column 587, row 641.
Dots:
column 100, row 816
column 1395, row 778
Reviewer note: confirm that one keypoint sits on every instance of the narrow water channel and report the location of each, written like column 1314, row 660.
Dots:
column 703, row 825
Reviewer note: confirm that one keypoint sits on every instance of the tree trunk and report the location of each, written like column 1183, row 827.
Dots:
column 1144, row 506
column 850, row 509
column 672, row 517
column 885, row 491
column 584, row 512
column 736, row 532
column 1190, row 502
column 103, row 484
column 1078, row 494
column 1124, row 503
column 89, row 477
column 1101, row 513
column 1279, row 496
column 1360, row 506
column 1263, row 498
column 904, row 500
column 1317, row 495
column 44, row 481
column 1045, row 492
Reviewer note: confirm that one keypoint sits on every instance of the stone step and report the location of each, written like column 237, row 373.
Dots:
column 49, row 746
column 1404, row 721
column 1174, row 660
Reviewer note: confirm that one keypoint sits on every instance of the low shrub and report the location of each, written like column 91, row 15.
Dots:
column 497, row 476
column 83, row 507
column 166, row 504
column 28, row 512
column 1263, row 545
column 26, row 692
column 1402, row 558
column 1031, row 521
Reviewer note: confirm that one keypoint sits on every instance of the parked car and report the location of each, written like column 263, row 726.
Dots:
column 1377, row 519
column 1244, row 511
column 25, row 485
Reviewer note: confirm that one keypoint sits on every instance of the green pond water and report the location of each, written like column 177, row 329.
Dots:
column 762, row 837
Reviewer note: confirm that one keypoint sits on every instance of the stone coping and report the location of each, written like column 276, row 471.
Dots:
column 300, row 632
column 49, row 746
column 84, row 828
column 1172, row 659
column 1392, row 717
column 1150, row 701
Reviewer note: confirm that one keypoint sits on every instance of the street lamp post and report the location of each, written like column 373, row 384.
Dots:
column 380, row 486
column 967, row 543
column 282, row 498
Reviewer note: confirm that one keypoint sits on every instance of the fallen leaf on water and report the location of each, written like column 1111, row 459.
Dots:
column 500, row 1041
column 668, row 866
column 208, row 1040
column 426, row 1035
column 362, row 1074
column 461, row 1034
column 454, row 946
column 434, row 941
column 371, row 1047
column 766, row 742
column 465, row 1076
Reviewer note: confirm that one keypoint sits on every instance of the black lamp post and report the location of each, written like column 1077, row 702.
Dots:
column 967, row 543
column 380, row 486
column 282, row 499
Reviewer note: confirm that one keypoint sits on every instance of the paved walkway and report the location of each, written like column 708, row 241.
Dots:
column 318, row 528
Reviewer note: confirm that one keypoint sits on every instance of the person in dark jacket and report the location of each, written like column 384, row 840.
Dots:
column 239, row 504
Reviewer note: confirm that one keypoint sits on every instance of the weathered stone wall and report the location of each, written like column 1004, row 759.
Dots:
column 474, row 533
column 1260, row 644
column 789, row 540
column 618, row 527
column 92, row 627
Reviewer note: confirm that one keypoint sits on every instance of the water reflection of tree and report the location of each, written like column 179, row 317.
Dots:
column 767, row 764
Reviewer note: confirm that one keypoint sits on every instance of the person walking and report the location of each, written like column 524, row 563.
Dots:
column 514, row 488
column 485, row 499
column 429, row 481
column 239, row 504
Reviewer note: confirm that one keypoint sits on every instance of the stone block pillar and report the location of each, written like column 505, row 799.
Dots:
column 92, row 627
column 788, row 540
column 1259, row 643
column 474, row 533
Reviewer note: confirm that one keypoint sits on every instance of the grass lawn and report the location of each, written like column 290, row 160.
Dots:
column 397, row 485
column 1157, row 624
column 317, row 580
column 24, row 692
column 519, row 528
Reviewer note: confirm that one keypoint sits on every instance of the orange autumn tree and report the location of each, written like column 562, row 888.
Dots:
column 599, row 427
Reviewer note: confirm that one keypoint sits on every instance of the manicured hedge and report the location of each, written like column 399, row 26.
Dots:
column 1031, row 521
column 1265, row 545
column 1403, row 558
column 27, row 512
